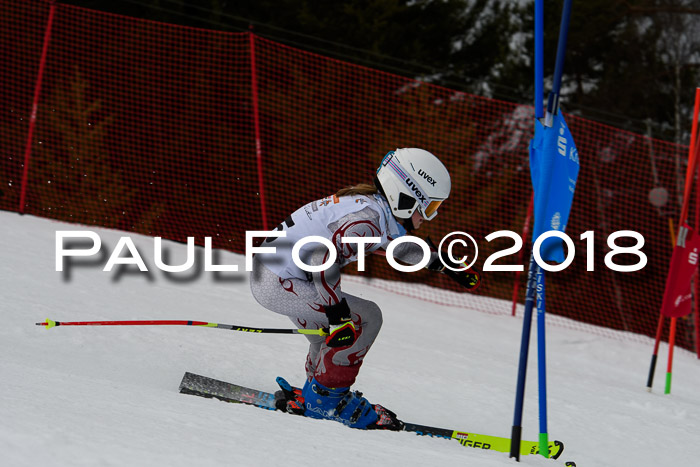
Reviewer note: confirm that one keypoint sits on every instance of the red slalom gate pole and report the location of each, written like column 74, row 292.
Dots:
column 696, row 280
column 694, row 149
column 660, row 326
column 232, row 327
column 697, row 317
column 671, row 344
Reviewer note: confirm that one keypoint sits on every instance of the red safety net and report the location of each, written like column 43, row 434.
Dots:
column 173, row 131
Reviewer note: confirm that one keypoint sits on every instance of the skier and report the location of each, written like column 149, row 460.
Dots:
column 408, row 188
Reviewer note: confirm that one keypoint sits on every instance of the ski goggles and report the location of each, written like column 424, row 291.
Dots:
column 431, row 211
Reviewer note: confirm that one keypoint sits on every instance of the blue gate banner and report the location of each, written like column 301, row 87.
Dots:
column 554, row 168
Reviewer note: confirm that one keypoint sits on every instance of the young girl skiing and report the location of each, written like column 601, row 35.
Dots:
column 409, row 186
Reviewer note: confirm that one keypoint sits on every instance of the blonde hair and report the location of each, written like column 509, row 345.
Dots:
column 365, row 189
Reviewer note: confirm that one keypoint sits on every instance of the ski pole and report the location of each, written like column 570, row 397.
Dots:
column 51, row 323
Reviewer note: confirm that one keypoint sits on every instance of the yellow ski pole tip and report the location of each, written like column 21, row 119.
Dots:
column 49, row 323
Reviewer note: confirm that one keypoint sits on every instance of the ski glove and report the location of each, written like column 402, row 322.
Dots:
column 341, row 329
column 469, row 279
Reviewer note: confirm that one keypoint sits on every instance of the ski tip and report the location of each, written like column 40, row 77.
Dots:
column 48, row 323
column 557, row 450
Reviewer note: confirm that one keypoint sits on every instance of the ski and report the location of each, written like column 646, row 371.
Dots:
column 211, row 388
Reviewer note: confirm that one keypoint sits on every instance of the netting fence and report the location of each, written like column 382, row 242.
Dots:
column 173, row 131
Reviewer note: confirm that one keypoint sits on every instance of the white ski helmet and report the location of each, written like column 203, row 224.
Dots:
column 412, row 178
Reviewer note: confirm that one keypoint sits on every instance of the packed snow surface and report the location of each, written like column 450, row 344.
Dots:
column 108, row 396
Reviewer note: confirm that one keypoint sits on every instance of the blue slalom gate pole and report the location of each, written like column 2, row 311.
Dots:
column 534, row 269
column 542, row 364
column 553, row 101
column 516, row 432
column 543, row 150
column 539, row 59
column 552, row 110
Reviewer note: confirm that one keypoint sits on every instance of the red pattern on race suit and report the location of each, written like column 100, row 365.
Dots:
column 316, row 307
column 288, row 286
column 329, row 279
column 338, row 367
column 330, row 295
column 361, row 228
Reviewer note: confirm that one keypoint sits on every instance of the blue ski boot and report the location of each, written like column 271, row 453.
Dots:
column 347, row 407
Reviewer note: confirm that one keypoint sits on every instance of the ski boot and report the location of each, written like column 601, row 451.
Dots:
column 347, row 407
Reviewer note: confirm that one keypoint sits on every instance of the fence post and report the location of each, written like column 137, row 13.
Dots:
column 256, row 124
column 35, row 107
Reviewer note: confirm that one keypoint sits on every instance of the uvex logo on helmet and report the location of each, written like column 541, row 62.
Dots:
column 427, row 177
column 416, row 191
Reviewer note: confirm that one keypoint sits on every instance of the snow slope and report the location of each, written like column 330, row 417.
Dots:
column 107, row 396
